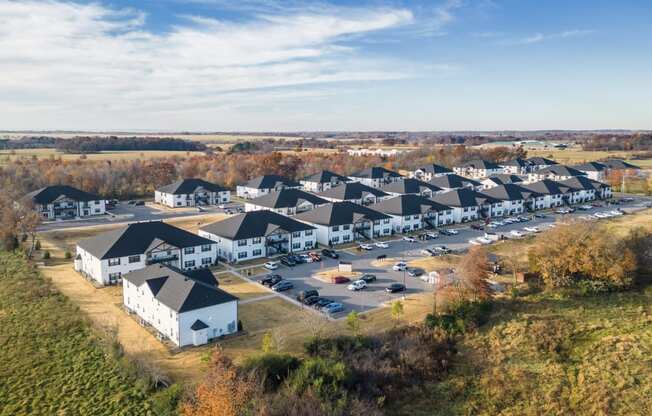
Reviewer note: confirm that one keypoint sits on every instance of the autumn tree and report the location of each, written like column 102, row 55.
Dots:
column 473, row 270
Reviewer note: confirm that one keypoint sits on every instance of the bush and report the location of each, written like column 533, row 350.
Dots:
column 272, row 369
column 337, row 346
column 46, row 255
column 37, row 245
column 166, row 402
column 240, row 327
column 329, row 379
column 67, row 255
column 461, row 317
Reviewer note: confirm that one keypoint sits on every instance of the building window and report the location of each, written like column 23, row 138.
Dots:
column 308, row 233
column 205, row 247
column 242, row 255
column 346, row 227
column 256, row 240
column 296, row 246
column 386, row 221
column 386, row 231
column 242, row 243
column 336, row 228
column 345, row 238
column 134, row 259
column 336, row 239
column 189, row 263
column 114, row 277
column 206, row 260
column 114, row 262
column 296, row 234
column 189, row 250
column 257, row 252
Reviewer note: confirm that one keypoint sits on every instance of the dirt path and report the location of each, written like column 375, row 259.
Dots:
column 103, row 307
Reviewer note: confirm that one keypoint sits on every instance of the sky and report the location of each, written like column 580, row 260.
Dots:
column 296, row 65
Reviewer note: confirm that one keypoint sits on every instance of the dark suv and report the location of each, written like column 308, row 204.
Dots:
column 288, row 261
column 270, row 280
column 304, row 294
column 330, row 253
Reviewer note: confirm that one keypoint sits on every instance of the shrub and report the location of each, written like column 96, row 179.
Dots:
column 328, row 379
column 272, row 369
column 37, row 245
column 337, row 346
column 240, row 326
column 67, row 255
column 46, row 255
column 461, row 316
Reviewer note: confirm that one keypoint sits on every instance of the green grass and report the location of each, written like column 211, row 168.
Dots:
column 50, row 360
column 551, row 354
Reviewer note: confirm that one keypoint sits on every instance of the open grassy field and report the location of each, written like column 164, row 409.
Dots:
column 50, row 360
column 118, row 155
column 575, row 155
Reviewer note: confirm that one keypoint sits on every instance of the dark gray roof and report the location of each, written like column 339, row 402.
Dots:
column 462, row 198
column 435, row 169
column 136, row 238
column 503, row 178
column 516, row 162
column 546, row 187
column 189, row 186
column 618, row 164
column 509, row 192
column 286, row 198
column 540, row 161
column 453, row 181
column 339, row 213
column 560, row 170
column 254, row 224
column 180, row 291
column 409, row 204
column 591, row 167
column 198, row 325
column 50, row 194
column 583, row 182
column 325, row 176
column 409, row 186
column 376, row 172
column 270, row 182
column 480, row 164
column 351, row 191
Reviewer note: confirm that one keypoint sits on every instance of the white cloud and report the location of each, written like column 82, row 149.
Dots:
column 79, row 62
column 541, row 37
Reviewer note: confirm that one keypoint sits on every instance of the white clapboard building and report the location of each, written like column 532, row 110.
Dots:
column 191, row 192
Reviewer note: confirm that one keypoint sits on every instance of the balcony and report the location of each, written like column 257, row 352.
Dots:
column 162, row 259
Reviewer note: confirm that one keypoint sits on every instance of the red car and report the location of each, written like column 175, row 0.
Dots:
column 340, row 279
column 314, row 256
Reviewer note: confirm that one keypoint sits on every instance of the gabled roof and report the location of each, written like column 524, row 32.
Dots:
column 136, row 238
column 503, row 178
column 270, row 181
column 559, row 170
column 462, row 198
column 340, row 213
column 325, row 176
column 286, row 198
column 189, row 186
column 410, row 204
column 618, row 164
column 541, row 161
column 591, row 167
column 50, row 194
column 583, row 182
column 376, row 172
column 509, row 192
column 452, row 181
column 434, row 169
column 351, row 191
column 181, row 291
column 547, row 187
column 198, row 325
column 516, row 162
column 479, row 164
column 409, row 186
column 254, row 224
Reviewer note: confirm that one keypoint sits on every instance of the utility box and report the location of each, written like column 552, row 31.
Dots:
column 345, row 267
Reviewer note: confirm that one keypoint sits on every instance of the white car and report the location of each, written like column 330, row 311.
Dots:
column 532, row 229
column 271, row 265
column 432, row 235
column 409, row 239
column 453, row 231
column 475, row 242
column 616, row 213
column 357, row 285
column 366, row 246
column 484, row 240
column 380, row 244
column 601, row 215
column 516, row 234
column 399, row 267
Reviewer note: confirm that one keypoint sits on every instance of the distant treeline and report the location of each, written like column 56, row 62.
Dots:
column 637, row 141
column 98, row 144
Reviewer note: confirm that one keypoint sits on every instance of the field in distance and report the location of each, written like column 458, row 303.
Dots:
column 204, row 138
column 42, row 153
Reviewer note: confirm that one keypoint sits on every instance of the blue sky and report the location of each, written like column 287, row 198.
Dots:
column 266, row 65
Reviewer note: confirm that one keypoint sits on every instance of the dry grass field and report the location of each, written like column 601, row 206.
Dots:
column 574, row 155
column 119, row 155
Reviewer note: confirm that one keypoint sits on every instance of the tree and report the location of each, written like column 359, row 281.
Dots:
column 473, row 270
column 267, row 342
column 397, row 310
column 353, row 322
column 222, row 392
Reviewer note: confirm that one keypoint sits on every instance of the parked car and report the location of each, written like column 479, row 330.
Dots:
column 340, row 280
column 357, row 285
column 400, row 266
column 585, row 207
column 477, row 227
column 524, row 219
column 282, row 286
column 616, row 212
column 453, row 231
column 540, row 215
column 271, row 265
column 305, row 258
column 288, row 261
column 484, row 240
column 516, row 234
column 475, row 242
column 330, row 253
column 297, row 258
column 395, row 287
column 427, row 252
column 432, row 235
column 311, row 300
column 368, row 277
column 532, row 229
column 270, row 279
column 321, row 302
column 444, row 231
column 381, row 244
column 314, row 256
column 409, row 239
column 442, row 249
column 364, row 246
column 334, row 307
column 306, row 294
column 139, row 203
column 415, row 271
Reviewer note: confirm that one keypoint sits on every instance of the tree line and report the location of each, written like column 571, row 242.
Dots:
column 94, row 144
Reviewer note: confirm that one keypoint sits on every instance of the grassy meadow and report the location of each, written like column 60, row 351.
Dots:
column 575, row 155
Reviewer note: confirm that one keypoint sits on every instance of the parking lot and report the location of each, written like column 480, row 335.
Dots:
column 366, row 262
